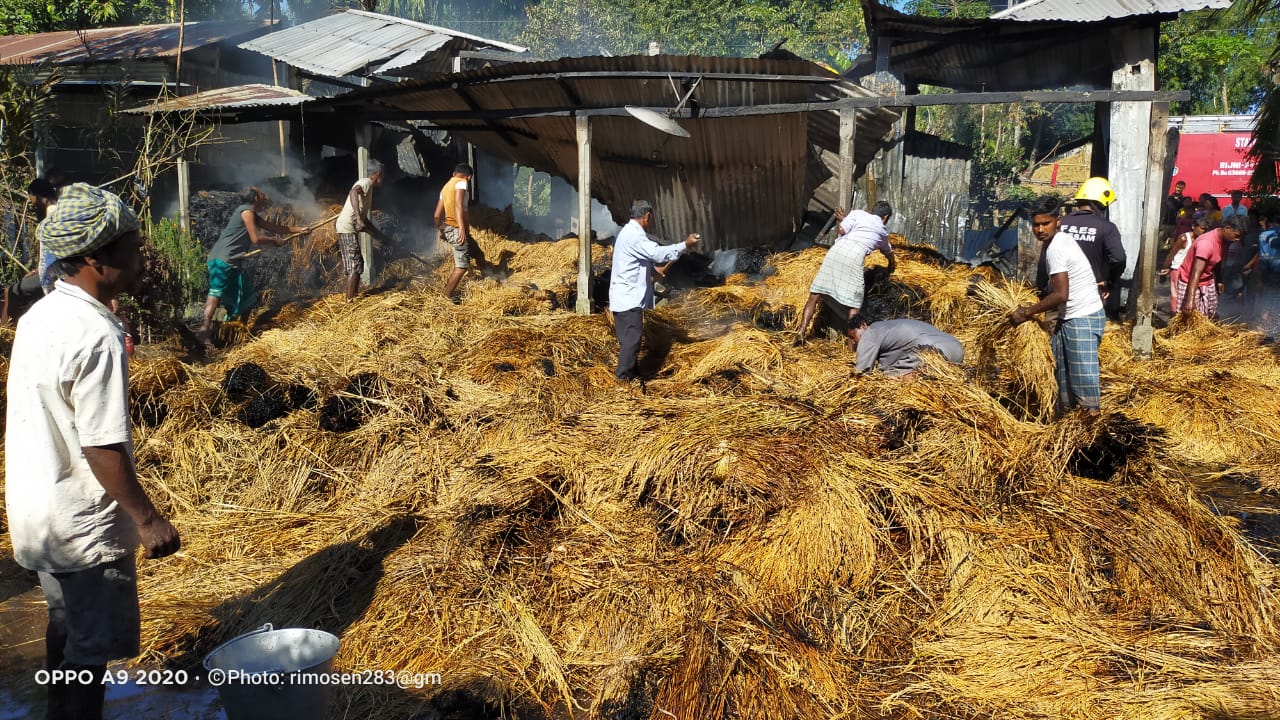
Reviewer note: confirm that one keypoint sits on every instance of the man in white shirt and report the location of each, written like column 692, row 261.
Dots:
column 75, row 508
column 353, row 220
column 635, row 254
column 1067, row 287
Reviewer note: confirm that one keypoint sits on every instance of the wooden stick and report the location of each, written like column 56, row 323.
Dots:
column 310, row 227
column 14, row 258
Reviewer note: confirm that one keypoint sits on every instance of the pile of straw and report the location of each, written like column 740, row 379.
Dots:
column 758, row 534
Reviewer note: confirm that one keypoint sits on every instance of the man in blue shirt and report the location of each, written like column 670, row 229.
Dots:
column 635, row 253
column 1236, row 208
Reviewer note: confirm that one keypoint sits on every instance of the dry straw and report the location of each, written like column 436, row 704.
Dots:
column 759, row 534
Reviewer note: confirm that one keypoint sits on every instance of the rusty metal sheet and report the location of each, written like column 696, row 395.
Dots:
column 137, row 42
column 240, row 96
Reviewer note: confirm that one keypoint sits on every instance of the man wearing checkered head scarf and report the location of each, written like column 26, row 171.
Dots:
column 76, row 510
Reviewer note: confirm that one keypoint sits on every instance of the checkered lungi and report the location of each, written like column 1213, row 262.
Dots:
column 1075, row 357
column 352, row 258
column 841, row 275
column 1206, row 298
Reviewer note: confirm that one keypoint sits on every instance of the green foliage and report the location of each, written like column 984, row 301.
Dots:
column 25, row 106
column 1219, row 57
column 533, row 193
column 179, row 265
column 822, row 30
column 18, row 17
column 949, row 8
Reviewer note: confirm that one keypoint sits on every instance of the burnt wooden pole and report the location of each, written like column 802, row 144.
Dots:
column 848, row 131
column 583, row 306
column 364, row 137
column 1133, row 52
column 184, row 194
column 1145, row 274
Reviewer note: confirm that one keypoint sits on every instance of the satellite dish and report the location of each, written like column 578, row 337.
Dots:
column 656, row 120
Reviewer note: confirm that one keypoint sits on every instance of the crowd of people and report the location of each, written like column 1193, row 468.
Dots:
column 1216, row 252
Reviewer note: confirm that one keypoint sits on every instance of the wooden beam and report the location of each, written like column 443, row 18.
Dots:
column 471, row 103
column 365, row 111
column 184, row 195
column 364, row 137
column 583, row 306
column 848, row 131
column 632, row 74
column 1134, row 70
column 1143, row 337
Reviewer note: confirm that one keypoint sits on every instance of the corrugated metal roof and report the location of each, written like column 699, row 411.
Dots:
column 230, row 98
column 120, row 43
column 1096, row 10
column 358, row 42
column 977, row 55
column 740, row 181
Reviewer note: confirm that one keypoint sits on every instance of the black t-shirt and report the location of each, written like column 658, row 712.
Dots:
column 1099, row 238
column 1169, row 214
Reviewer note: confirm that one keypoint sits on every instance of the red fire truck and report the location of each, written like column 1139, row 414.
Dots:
column 1211, row 154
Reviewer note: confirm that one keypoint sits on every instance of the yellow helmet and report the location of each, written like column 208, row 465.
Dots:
column 1097, row 189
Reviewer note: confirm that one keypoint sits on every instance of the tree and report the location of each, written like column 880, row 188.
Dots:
column 20, row 17
column 827, row 31
column 1218, row 57
column 1266, row 134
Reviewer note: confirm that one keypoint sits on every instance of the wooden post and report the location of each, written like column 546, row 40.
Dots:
column 848, row 131
column 1133, row 59
column 364, row 137
column 584, row 215
column 275, row 79
column 39, row 133
column 1145, row 275
column 184, row 195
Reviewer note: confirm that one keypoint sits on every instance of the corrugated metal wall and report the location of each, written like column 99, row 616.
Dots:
column 934, row 207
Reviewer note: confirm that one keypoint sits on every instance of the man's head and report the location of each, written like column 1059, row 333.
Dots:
column 42, row 193
column 94, row 238
column 463, row 170
column 1188, row 202
column 1236, row 196
column 642, row 212
column 858, row 326
column 1046, row 216
column 255, row 197
column 375, row 172
column 1179, row 187
column 882, row 210
column 1232, row 228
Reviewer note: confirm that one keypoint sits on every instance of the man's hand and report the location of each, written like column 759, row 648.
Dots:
column 1018, row 316
column 159, row 538
column 1103, row 292
column 296, row 230
column 693, row 239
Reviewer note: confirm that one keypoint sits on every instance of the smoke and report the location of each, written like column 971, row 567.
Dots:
column 245, row 162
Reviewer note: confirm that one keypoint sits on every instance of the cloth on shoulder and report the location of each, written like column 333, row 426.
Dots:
column 85, row 219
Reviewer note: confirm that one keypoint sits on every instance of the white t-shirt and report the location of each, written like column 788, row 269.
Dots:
column 1064, row 255
column 865, row 230
column 346, row 224
column 68, row 389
